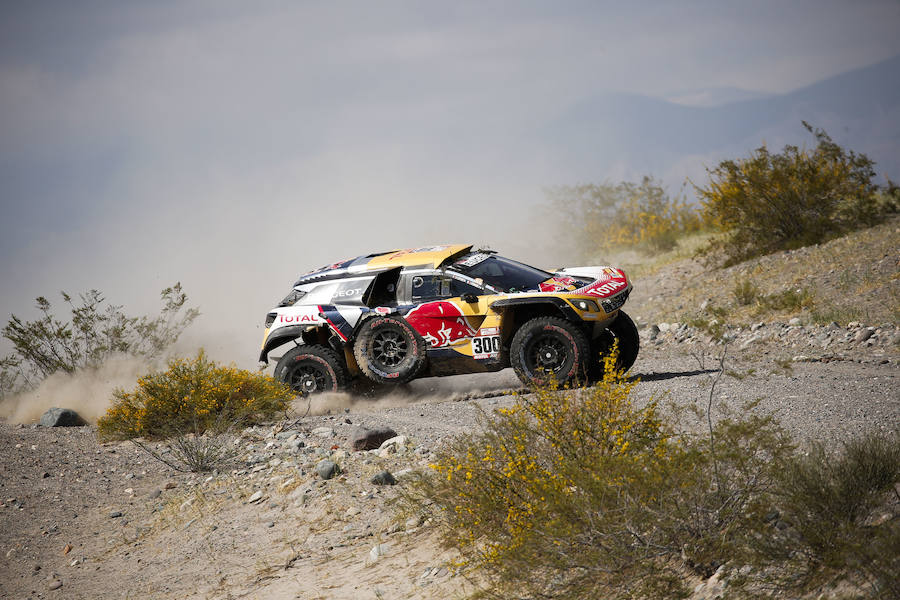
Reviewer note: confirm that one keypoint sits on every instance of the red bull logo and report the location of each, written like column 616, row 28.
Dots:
column 440, row 323
column 557, row 284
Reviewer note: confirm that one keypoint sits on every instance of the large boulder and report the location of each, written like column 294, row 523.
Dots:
column 370, row 439
column 62, row 417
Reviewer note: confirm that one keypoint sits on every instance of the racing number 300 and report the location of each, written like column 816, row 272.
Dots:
column 486, row 345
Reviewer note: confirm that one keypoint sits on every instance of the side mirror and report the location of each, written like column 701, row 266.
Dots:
column 470, row 298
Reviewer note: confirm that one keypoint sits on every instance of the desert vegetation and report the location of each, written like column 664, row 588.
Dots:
column 580, row 494
column 764, row 203
column 793, row 198
column 605, row 216
column 94, row 332
column 192, row 396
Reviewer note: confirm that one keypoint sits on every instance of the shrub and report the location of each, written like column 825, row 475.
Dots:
column 95, row 332
column 604, row 216
column 834, row 520
column 770, row 202
column 191, row 396
column 745, row 292
column 581, row 494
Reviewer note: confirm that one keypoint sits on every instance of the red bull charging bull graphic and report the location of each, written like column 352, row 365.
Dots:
column 440, row 323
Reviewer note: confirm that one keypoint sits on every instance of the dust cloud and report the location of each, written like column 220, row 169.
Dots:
column 432, row 389
column 88, row 392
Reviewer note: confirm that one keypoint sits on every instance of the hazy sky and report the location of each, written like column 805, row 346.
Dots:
column 234, row 145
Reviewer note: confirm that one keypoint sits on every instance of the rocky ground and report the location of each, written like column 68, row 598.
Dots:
column 300, row 513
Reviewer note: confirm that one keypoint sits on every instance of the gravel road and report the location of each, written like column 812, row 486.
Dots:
column 83, row 520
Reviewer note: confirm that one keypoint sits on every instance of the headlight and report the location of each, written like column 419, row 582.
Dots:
column 586, row 305
column 292, row 298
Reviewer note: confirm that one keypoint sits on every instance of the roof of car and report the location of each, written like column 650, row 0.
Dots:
column 433, row 256
column 426, row 256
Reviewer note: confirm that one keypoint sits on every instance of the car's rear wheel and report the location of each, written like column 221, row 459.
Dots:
column 388, row 350
column 625, row 332
column 550, row 347
column 312, row 369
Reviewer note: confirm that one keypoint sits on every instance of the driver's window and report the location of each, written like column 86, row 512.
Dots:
column 429, row 285
column 458, row 287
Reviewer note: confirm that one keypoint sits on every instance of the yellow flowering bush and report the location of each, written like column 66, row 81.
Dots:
column 582, row 493
column 604, row 217
column 797, row 197
column 192, row 395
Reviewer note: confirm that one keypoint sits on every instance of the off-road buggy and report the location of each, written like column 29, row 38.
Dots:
column 395, row 316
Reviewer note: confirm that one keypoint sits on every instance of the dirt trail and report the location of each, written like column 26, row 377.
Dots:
column 138, row 530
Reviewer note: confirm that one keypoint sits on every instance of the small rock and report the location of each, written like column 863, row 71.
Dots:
column 56, row 583
column 323, row 431
column 256, row 497
column 155, row 494
column 864, row 334
column 413, row 522
column 115, row 514
column 794, row 322
column 327, row 469
column 62, row 417
column 352, row 511
column 170, row 485
column 378, row 551
column 370, row 439
column 383, row 478
column 394, row 444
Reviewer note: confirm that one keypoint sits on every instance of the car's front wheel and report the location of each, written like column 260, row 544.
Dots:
column 309, row 369
column 621, row 334
column 550, row 347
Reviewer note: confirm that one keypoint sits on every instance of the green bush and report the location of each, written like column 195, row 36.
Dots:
column 95, row 332
column 581, row 494
column 191, row 396
column 835, row 518
column 745, row 292
column 770, row 202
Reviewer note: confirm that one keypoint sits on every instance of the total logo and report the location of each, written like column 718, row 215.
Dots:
column 298, row 319
column 603, row 289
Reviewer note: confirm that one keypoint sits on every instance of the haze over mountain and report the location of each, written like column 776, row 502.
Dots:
column 627, row 135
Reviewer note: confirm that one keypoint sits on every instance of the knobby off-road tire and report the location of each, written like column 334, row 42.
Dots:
column 389, row 351
column 312, row 369
column 625, row 332
column 550, row 347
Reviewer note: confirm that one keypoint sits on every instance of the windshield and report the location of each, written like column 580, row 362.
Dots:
column 501, row 273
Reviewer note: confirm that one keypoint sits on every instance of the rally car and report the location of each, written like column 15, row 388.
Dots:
column 391, row 317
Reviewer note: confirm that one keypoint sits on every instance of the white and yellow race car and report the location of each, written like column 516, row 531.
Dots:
column 446, row 310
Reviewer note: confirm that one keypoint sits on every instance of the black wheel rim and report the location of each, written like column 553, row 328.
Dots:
column 547, row 353
column 389, row 348
column 308, row 379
